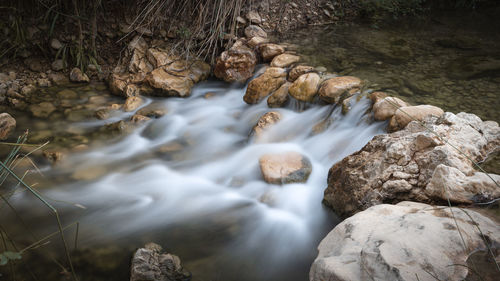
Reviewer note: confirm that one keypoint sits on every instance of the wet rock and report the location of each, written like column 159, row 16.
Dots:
column 169, row 85
column 102, row 114
column 284, row 60
column 335, row 89
column 132, row 103
column 150, row 263
column 265, row 122
column 407, row 241
column 154, row 110
column 265, row 84
column 139, row 62
column 254, row 30
column 253, row 17
column 34, row 64
column 256, row 41
column 76, row 75
column 280, row 97
column 54, row 156
column 376, row 96
column 405, row 115
column 410, row 165
column 385, row 108
column 298, row 71
column 138, row 119
column 269, row 51
column 42, row 110
column 305, row 87
column 284, row 168
column 7, row 125
column 236, row 64
column 118, row 84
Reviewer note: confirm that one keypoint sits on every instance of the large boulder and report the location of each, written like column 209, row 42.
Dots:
column 333, row 90
column 149, row 263
column 236, row 64
column 414, row 164
column 407, row 241
column 7, row 125
column 305, row 87
column 264, row 85
column 284, row 168
column 406, row 114
column 284, row 60
column 385, row 108
column 269, row 51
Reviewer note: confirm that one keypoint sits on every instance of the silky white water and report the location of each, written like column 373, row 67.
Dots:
column 212, row 181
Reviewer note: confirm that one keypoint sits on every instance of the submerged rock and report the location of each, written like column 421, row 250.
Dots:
column 42, row 110
column 414, row 164
column 7, row 125
column 265, row 121
column 236, row 64
column 333, row 89
column 132, row 103
column 284, row 168
column 264, row 85
column 151, row 264
column 407, row 241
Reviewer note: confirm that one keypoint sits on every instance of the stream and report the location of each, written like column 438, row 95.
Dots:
column 190, row 180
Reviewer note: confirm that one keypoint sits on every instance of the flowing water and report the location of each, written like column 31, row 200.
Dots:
column 191, row 182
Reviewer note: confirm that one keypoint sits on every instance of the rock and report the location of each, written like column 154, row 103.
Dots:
column 58, row 78
column 254, row 17
column 405, row 115
column 53, row 156
column 236, row 64
column 7, row 125
column 169, row 85
column 117, row 84
column 332, row 90
column 407, row 241
column 67, row 94
column 139, row 62
column 305, row 87
column 149, row 263
column 376, row 96
column 132, row 103
column 43, row 82
column 138, row 43
column 42, row 110
column 256, row 41
column 34, row 64
column 28, row 90
column 284, row 60
column 404, row 165
column 280, row 97
column 254, row 30
column 284, row 168
column 154, row 110
column 55, row 44
column 264, row 123
column 298, row 71
column 158, row 57
column 138, row 119
column 57, row 65
column 241, row 20
column 265, row 84
column 269, row 51
column 76, row 75
column 385, row 108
